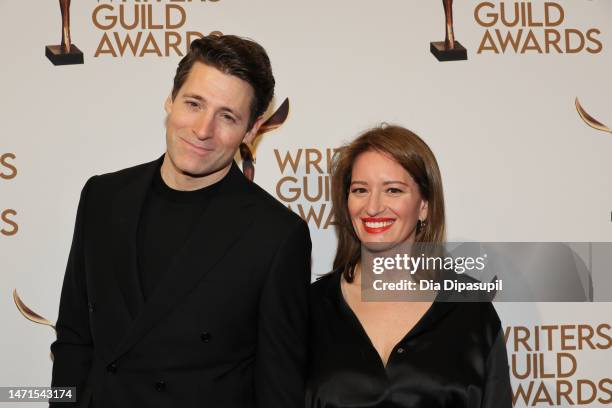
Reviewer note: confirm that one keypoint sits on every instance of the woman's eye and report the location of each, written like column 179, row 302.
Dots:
column 358, row 190
column 394, row 190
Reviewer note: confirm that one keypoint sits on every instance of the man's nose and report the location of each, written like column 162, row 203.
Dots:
column 204, row 125
column 375, row 204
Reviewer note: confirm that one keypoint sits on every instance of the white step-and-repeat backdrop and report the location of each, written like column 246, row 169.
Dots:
column 518, row 161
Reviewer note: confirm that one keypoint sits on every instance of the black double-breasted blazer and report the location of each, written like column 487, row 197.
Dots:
column 226, row 325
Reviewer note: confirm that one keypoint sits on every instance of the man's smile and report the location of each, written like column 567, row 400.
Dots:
column 201, row 150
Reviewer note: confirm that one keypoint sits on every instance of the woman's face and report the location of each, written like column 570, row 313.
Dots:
column 384, row 201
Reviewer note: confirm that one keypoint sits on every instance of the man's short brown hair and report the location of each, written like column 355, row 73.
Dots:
column 236, row 56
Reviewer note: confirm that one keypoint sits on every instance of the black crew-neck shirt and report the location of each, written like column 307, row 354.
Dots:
column 167, row 219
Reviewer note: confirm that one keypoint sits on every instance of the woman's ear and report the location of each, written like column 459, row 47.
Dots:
column 423, row 210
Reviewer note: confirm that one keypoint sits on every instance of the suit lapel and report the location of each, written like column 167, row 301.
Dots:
column 220, row 226
column 126, row 215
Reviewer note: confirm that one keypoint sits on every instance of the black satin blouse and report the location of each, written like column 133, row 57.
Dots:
column 454, row 356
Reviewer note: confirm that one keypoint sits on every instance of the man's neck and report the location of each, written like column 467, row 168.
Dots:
column 177, row 180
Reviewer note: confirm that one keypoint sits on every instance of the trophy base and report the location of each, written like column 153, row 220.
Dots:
column 58, row 56
column 438, row 49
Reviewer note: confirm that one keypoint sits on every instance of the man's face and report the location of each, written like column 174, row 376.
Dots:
column 207, row 121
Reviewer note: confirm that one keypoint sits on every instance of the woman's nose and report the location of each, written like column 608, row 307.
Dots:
column 375, row 204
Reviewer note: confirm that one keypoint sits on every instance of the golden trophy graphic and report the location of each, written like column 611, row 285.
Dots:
column 449, row 49
column 590, row 120
column 248, row 151
column 29, row 313
column 66, row 53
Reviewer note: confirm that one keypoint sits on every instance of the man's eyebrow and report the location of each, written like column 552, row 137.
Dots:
column 223, row 108
column 193, row 96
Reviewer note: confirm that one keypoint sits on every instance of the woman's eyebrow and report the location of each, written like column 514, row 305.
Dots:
column 396, row 182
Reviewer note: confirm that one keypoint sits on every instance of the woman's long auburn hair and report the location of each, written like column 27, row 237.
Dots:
column 413, row 154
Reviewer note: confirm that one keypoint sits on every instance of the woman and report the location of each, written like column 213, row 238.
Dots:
column 386, row 188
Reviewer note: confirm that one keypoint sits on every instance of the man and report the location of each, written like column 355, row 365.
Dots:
column 187, row 284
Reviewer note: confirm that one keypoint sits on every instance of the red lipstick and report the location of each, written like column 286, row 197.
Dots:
column 387, row 223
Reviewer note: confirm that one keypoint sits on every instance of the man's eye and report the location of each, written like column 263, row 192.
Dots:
column 192, row 104
column 229, row 118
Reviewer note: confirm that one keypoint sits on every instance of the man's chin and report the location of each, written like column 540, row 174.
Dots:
column 195, row 172
column 199, row 171
column 192, row 167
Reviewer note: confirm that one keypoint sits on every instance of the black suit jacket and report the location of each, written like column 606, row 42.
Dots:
column 226, row 325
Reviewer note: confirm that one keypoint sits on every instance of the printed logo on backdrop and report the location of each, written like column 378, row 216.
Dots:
column 248, row 151
column 449, row 49
column 534, row 27
column 592, row 122
column 546, row 364
column 304, row 184
column 8, row 173
column 525, row 27
column 66, row 53
column 144, row 29
column 133, row 28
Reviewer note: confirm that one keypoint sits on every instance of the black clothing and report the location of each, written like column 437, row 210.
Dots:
column 225, row 326
column 454, row 356
column 167, row 218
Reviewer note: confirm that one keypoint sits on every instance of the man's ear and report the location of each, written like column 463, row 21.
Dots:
column 168, row 104
column 250, row 135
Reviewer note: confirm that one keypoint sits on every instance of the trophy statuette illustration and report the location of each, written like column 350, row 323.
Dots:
column 449, row 49
column 248, row 150
column 590, row 120
column 67, row 53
